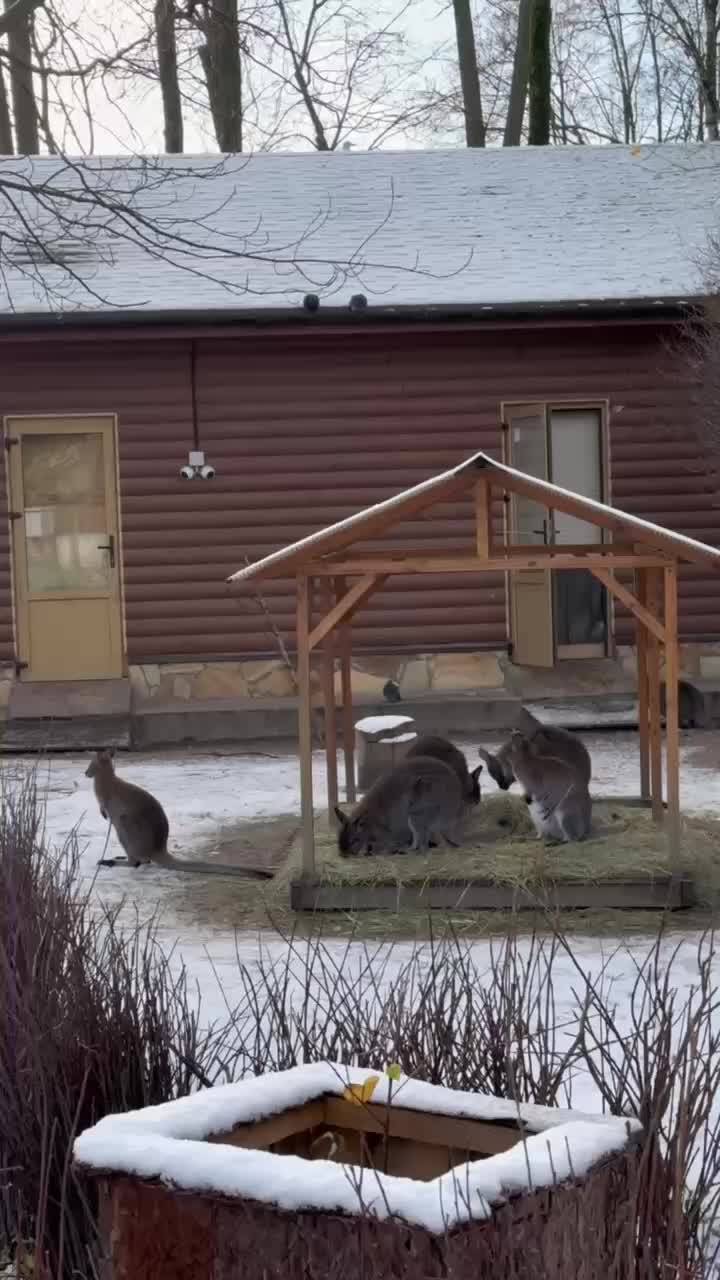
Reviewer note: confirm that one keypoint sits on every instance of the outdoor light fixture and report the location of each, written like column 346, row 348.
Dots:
column 196, row 467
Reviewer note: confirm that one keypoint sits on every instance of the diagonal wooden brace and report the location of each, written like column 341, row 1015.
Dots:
column 356, row 596
column 631, row 602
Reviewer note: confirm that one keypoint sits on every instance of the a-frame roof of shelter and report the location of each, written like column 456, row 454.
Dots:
column 377, row 520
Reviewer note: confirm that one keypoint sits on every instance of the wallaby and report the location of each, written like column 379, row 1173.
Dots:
column 551, row 740
column 141, row 825
column 440, row 749
column 558, row 795
column 417, row 800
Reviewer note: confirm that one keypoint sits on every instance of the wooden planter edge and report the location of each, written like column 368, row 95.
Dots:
column 660, row 894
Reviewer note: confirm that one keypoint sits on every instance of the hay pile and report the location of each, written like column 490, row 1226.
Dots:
column 500, row 846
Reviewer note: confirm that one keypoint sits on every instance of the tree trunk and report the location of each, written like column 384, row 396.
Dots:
column 221, row 62
column 6, row 138
column 710, row 71
column 166, row 45
column 539, row 74
column 469, row 78
column 19, row 50
column 518, row 86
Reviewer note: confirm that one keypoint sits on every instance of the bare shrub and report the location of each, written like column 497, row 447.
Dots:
column 91, row 1021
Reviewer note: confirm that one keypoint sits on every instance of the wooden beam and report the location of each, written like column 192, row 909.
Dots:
column 575, row 548
column 328, row 687
column 483, row 518
column 642, row 676
column 541, row 559
column 653, row 666
column 305, row 725
column 629, row 600
column 672, row 716
column 348, row 721
column 356, row 596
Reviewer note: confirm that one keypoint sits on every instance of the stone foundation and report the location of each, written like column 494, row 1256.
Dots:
column 161, row 683
column 701, row 661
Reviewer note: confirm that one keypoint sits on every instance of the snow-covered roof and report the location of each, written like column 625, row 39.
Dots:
column 431, row 229
column 453, row 484
column 168, row 1143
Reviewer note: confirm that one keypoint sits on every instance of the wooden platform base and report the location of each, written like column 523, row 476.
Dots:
column 665, row 894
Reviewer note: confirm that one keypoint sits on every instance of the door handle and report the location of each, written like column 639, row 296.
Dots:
column 109, row 546
column 543, row 531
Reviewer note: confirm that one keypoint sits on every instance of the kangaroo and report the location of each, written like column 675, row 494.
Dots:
column 440, row 749
column 417, row 800
column 558, row 795
column 552, row 740
column 141, row 825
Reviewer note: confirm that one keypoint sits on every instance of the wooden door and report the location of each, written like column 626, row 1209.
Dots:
column 531, row 601
column 65, row 547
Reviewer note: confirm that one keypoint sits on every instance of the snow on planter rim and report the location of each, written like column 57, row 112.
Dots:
column 167, row 1143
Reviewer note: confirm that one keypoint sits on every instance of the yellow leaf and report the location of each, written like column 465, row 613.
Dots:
column 636, row 151
column 394, row 1070
column 361, row 1093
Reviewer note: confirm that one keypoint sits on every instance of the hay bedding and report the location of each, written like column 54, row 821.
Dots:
column 500, row 845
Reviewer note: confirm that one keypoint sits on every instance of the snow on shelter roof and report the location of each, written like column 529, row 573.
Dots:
column 378, row 519
column 168, row 1142
column 470, row 228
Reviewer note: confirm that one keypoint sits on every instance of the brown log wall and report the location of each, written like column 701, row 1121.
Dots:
column 306, row 429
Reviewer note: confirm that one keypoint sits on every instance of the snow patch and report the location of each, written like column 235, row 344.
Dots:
column 381, row 724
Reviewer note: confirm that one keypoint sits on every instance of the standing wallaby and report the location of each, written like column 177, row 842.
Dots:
column 141, row 825
column 440, row 749
column 551, row 740
column 558, row 796
column 417, row 800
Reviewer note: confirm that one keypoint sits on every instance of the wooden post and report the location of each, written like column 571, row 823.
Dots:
column 328, row 687
column 348, row 721
column 642, row 677
column 305, row 725
column 483, row 519
column 653, row 669
column 672, row 714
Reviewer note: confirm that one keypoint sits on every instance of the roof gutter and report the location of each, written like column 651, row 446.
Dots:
column 567, row 312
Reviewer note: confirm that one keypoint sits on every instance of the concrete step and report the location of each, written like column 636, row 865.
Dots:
column 76, row 733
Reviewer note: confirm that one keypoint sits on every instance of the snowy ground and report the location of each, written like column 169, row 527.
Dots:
column 208, row 793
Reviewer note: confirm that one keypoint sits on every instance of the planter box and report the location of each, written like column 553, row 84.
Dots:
column 288, row 1175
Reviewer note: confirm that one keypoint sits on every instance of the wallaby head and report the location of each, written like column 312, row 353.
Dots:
column 499, row 767
column 102, row 762
column 353, row 833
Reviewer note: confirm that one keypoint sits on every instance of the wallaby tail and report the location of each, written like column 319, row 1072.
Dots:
column 166, row 859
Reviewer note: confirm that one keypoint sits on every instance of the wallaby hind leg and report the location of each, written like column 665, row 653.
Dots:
column 420, row 835
column 573, row 825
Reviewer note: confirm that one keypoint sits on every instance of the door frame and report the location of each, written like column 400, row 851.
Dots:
column 601, row 405
column 20, row 622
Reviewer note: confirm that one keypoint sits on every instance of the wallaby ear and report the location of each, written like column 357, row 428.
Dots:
column 342, row 818
column 476, row 772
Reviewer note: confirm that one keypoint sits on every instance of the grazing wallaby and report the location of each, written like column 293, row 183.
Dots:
column 551, row 741
column 417, row 800
column 141, row 825
column 558, row 795
column 440, row 749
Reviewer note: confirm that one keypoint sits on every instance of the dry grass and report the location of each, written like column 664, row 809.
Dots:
column 500, row 846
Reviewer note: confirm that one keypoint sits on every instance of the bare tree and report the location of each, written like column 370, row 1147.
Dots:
column 701, row 345
column 469, row 77
column 19, row 62
column 519, row 83
column 167, row 61
column 540, row 73
column 220, row 57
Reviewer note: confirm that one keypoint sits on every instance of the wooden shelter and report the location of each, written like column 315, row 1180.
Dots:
column 335, row 568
